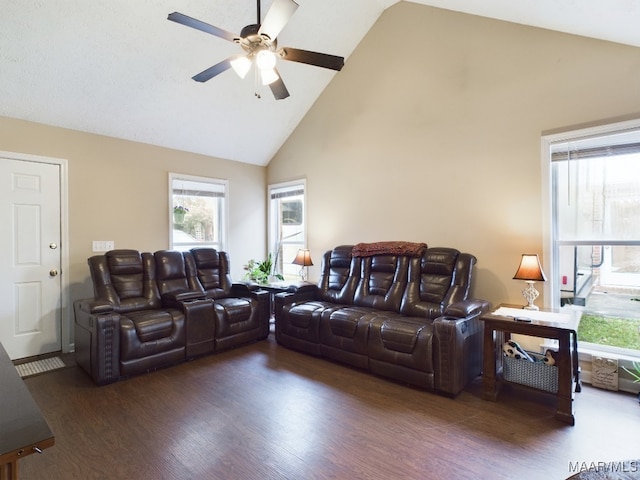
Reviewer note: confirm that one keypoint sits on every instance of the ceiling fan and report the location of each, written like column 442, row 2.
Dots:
column 260, row 45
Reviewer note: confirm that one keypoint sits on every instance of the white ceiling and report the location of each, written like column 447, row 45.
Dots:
column 120, row 68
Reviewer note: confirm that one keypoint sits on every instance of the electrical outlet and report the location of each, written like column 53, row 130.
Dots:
column 103, row 245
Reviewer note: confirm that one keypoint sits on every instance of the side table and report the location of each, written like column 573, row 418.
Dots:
column 278, row 287
column 507, row 319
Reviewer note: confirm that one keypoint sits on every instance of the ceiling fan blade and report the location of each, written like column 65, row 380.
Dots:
column 211, row 72
column 323, row 60
column 278, row 88
column 202, row 26
column 277, row 17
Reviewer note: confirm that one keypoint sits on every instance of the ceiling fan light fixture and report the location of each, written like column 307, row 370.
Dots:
column 268, row 76
column 266, row 60
column 241, row 66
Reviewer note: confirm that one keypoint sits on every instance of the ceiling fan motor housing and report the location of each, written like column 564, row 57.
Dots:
column 252, row 42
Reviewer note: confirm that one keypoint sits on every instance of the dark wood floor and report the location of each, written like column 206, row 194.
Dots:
column 265, row 412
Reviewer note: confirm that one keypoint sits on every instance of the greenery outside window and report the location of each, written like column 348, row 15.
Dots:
column 197, row 212
column 287, row 226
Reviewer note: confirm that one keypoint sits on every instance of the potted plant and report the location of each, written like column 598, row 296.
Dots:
column 635, row 373
column 178, row 214
column 261, row 272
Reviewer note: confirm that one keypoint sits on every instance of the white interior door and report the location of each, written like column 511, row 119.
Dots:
column 30, row 258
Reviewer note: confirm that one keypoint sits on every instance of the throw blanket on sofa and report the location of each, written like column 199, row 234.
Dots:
column 411, row 249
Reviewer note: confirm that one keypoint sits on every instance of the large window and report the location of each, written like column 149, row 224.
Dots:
column 595, row 232
column 198, row 212
column 287, row 226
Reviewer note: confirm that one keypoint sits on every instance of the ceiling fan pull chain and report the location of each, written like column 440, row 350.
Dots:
column 256, row 82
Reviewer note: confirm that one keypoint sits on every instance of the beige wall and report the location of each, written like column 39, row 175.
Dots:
column 432, row 133
column 118, row 190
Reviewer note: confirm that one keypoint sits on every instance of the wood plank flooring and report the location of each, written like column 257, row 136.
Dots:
column 266, row 412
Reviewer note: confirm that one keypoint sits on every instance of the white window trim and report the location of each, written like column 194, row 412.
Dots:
column 194, row 178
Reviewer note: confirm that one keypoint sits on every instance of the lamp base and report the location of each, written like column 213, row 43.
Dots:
column 530, row 294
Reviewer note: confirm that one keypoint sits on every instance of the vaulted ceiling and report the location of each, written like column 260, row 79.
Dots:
column 119, row 68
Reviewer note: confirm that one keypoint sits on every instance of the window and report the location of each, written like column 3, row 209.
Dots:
column 198, row 212
column 287, row 225
column 594, row 243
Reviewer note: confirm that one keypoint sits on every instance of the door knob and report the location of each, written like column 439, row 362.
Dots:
column 53, row 246
column 53, row 272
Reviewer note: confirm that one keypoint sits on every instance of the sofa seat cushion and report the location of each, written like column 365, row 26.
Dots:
column 152, row 325
column 343, row 325
column 403, row 341
column 235, row 315
column 303, row 315
column 301, row 322
column 347, row 328
column 400, row 336
column 151, row 332
column 344, row 322
column 306, row 315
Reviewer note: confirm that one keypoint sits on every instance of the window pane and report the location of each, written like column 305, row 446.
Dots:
column 286, row 227
column 198, row 218
column 598, row 198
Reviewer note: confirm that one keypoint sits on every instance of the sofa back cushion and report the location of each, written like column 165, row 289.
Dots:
column 175, row 272
column 382, row 282
column 339, row 275
column 212, row 270
column 126, row 278
column 440, row 277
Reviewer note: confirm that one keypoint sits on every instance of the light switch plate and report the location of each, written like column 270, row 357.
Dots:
column 103, row 245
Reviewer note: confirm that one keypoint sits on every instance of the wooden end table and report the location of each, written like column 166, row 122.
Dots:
column 277, row 287
column 543, row 324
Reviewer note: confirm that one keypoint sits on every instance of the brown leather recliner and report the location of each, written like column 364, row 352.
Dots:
column 125, row 329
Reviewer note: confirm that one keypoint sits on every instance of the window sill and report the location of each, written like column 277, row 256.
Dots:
column 586, row 352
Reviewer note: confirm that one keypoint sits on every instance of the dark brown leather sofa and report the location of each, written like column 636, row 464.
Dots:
column 153, row 310
column 402, row 313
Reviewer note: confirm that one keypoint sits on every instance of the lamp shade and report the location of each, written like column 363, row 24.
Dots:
column 303, row 258
column 530, row 269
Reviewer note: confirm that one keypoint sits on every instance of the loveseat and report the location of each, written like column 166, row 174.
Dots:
column 397, row 309
column 153, row 310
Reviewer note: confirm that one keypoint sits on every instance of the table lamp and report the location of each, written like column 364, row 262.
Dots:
column 303, row 258
column 530, row 271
